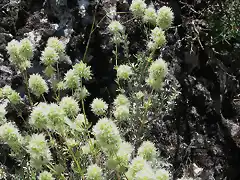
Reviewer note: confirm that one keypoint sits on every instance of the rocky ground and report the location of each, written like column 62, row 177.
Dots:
column 204, row 131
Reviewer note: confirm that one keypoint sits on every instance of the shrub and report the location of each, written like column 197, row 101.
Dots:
column 58, row 140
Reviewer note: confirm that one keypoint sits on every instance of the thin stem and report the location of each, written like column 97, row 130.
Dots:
column 116, row 55
column 44, row 98
column 89, row 38
column 75, row 160
column 26, row 83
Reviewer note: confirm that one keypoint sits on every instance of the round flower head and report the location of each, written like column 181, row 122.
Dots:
column 162, row 174
column 3, row 112
column 56, row 116
column 26, row 49
column 11, row 95
column 120, row 100
column 49, row 56
column 71, row 80
column 70, row 106
column 147, row 150
column 94, row 173
column 145, row 174
column 158, row 39
column 38, row 117
column 120, row 160
column 39, row 151
column 10, row 134
column 138, row 8
column 150, row 15
column 107, row 134
column 158, row 69
column 138, row 164
column 45, row 176
column 124, row 72
column 165, row 17
column 82, row 70
column 20, row 53
column 115, row 27
column 56, row 44
column 79, row 122
column 81, row 93
column 99, row 107
column 37, row 85
column 13, row 51
column 155, row 84
column 121, row 112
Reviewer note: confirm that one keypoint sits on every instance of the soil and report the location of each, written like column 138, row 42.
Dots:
column 203, row 130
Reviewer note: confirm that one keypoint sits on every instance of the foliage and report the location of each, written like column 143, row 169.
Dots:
column 59, row 142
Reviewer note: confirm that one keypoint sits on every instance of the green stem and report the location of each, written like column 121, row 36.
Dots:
column 26, row 83
column 116, row 55
column 89, row 38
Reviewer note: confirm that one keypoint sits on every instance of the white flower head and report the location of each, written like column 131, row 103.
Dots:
column 70, row 106
column 147, row 150
column 37, row 85
column 162, row 174
column 150, row 15
column 107, row 134
column 116, row 27
column 165, row 17
column 94, row 172
column 45, row 176
column 99, row 107
column 138, row 8
column 124, row 72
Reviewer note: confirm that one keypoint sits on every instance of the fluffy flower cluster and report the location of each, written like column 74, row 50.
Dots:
column 107, row 135
column 3, row 112
column 124, row 72
column 49, row 116
column 11, row 95
column 150, row 15
column 120, row 160
column 57, row 45
column 121, row 109
column 165, row 17
column 20, row 53
column 71, row 80
column 157, row 73
column 53, row 52
column 158, row 39
column 45, row 176
column 137, row 164
column 39, row 151
column 38, row 117
column 138, row 8
column 99, row 107
column 37, row 85
column 74, row 76
column 116, row 27
column 70, row 106
column 147, row 150
column 82, row 71
column 49, row 57
column 145, row 174
column 162, row 174
column 9, row 134
column 94, row 172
